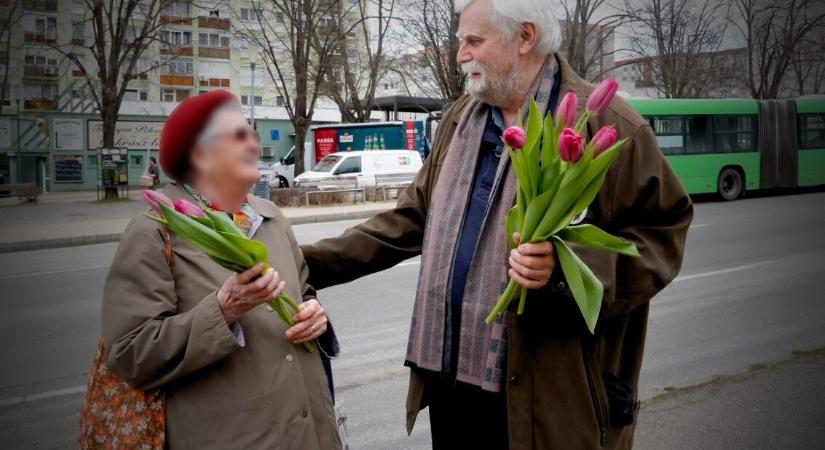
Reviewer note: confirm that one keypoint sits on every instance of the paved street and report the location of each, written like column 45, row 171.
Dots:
column 751, row 291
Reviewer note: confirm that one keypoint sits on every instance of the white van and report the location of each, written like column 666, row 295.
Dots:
column 364, row 165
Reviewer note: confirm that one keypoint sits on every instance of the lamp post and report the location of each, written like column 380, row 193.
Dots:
column 253, row 56
column 19, row 153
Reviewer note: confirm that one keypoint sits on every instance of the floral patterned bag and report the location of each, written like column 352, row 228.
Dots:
column 115, row 415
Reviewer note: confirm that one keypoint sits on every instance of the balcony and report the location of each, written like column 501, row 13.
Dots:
column 40, row 71
column 40, row 5
column 214, row 23
column 177, row 51
column 177, row 80
column 40, row 104
column 176, row 20
column 214, row 82
column 213, row 52
column 46, row 38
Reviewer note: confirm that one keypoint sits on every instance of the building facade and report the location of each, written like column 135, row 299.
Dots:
column 49, row 128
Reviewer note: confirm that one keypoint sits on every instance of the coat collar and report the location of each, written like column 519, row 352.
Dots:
column 261, row 206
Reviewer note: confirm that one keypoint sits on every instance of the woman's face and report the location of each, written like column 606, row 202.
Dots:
column 230, row 153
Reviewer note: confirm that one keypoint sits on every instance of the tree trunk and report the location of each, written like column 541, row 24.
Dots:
column 109, row 117
column 300, row 137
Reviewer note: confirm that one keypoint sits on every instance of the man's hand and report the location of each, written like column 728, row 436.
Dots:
column 310, row 322
column 531, row 265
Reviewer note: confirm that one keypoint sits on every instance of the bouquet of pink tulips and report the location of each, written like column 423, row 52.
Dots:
column 559, row 174
column 215, row 234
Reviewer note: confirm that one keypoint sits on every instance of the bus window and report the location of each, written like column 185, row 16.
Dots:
column 696, row 132
column 733, row 134
column 811, row 131
column 669, row 134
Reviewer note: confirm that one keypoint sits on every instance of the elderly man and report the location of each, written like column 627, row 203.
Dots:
column 539, row 380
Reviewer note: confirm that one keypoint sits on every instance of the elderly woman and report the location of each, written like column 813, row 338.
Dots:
column 233, row 374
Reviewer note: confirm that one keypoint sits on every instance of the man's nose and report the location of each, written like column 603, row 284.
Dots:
column 463, row 55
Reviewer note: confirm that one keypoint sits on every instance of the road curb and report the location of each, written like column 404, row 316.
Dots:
column 77, row 241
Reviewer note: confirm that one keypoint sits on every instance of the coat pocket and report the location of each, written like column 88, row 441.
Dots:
column 598, row 395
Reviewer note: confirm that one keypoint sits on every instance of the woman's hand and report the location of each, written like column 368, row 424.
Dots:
column 239, row 293
column 310, row 322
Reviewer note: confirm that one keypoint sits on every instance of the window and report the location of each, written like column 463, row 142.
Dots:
column 40, row 60
column 177, row 8
column 78, row 30
column 177, row 67
column 279, row 100
column 215, row 13
column 251, row 14
column 46, row 26
column 213, row 40
column 279, row 17
column 258, row 100
column 174, row 95
column 137, row 160
column 696, row 135
column 734, row 134
column 4, row 57
column 349, row 165
column 136, row 95
column 176, row 38
column 669, row 134
column 38, row 91
column 811, row 131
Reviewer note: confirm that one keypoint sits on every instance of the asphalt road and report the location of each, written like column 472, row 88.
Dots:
column 751, row 291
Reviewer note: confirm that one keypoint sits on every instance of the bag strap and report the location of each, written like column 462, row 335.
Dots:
column 167, row 244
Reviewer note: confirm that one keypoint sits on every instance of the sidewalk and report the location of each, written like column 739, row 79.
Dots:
column 65, row 219
column 771, row 406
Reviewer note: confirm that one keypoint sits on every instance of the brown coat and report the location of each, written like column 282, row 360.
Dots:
column 556, row 393
column 164, row 329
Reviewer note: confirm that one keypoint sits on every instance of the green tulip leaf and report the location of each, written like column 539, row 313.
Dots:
column 587, row 290
column 594, row 237
column 513, row 223
column 222, row 222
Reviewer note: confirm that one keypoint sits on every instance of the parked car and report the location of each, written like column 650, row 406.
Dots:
column 363, row 165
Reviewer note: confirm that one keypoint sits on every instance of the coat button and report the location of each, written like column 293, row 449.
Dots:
column 304, row 413
column 289, row 357
column 513, row 380
column 561, row 285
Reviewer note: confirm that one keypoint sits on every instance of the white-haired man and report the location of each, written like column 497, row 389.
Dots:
column 539, row 380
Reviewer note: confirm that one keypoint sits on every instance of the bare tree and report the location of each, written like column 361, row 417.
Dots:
column 588, row 42
column 121, row 33
column 7, row 24
column 774, row 33
column 286, row 33
column 432, row 26
column 808, row 65
column 357, row 61
column 679, row 39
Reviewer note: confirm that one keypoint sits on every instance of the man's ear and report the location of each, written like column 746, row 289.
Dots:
column 528, row 38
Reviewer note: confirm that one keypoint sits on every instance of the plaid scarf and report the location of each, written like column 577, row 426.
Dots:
column 246, row 218
column 482, row 349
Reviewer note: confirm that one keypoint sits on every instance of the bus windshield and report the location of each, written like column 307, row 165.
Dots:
column 326, row 164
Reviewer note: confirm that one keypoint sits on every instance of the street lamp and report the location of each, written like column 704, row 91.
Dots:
column 253, row 57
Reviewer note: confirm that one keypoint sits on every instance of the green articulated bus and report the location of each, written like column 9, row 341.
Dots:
column 731, row 146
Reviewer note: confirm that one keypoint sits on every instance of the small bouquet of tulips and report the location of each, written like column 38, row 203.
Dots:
column 559, row 174
column 215, row 234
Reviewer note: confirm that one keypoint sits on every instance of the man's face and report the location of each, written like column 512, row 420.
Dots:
column 488, row 58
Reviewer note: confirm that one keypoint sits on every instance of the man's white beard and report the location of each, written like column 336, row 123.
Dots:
column 494, row 87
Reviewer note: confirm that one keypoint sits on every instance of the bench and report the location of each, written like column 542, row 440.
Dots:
column 393, row 181
column 333, row 185
column 29, row 191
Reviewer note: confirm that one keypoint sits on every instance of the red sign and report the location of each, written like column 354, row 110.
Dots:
column 410, row 134
column 325, row 143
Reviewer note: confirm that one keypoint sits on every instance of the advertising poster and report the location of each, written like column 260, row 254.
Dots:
column 67, row 134
column 324, row 143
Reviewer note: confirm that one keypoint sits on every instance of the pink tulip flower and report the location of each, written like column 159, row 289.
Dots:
column 514, row 137
column 566, row 112
column 188, row 208
column 600, row 99
column 570, row 146
column 152, row 198
column 604, row 139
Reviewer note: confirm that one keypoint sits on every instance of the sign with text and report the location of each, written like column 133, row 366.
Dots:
column 68, row 168
column 324, row 143
column 67, row 134
column 134, row 135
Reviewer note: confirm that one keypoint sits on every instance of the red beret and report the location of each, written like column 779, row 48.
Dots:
column 182, row 128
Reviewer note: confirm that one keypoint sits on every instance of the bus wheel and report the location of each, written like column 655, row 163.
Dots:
column 730, row 184
column 282, row 183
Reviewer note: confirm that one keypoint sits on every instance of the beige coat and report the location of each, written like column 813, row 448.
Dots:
column 164, row 329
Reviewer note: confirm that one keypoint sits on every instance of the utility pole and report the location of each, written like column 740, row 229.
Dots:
column 19, row 149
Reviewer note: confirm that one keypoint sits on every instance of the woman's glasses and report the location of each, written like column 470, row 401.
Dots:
column 242, row 134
